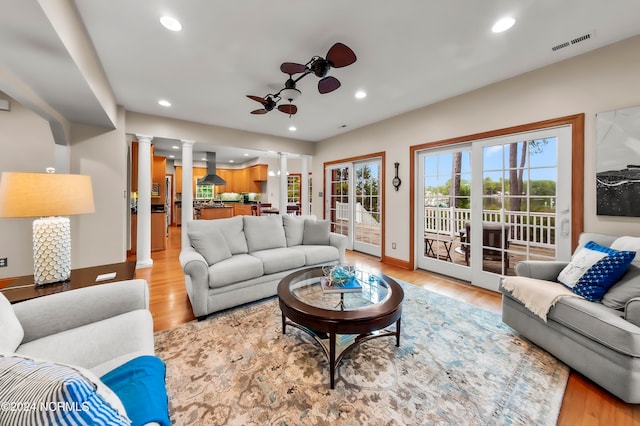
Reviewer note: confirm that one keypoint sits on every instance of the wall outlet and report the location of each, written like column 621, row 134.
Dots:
column 393, row 246
column 4, row 262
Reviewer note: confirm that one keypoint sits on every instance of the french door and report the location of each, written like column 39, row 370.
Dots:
column 354, row 203
column 487, row 204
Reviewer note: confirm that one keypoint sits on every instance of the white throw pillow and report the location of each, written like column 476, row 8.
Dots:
column 48, row 393
column 12, row 331
column 580, row 263
column 628, row 244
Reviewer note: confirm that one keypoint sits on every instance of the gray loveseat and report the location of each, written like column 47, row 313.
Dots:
column 600, row 340
column 242, row 259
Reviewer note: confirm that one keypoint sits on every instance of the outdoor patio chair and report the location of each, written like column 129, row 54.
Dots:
column 492, row 236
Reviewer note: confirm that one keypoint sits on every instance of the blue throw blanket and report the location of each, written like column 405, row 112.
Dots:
column 140, row 385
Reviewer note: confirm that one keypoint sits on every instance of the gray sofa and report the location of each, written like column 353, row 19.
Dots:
column 600, row 340
column 242, row 259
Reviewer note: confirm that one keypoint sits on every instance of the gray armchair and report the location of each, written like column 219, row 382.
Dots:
column 600, row 340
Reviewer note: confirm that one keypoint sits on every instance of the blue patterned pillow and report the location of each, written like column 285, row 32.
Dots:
column 594, row 269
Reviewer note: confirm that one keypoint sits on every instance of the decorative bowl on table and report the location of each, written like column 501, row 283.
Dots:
column 339, row 274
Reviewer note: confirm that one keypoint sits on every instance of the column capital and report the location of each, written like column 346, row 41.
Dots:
column 144, row 138
column 186, row 142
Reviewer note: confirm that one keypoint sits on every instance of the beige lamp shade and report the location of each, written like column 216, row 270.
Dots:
column 45, row 194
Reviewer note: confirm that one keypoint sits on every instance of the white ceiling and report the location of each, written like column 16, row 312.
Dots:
column 411, row 53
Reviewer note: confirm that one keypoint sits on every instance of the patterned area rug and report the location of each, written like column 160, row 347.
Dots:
column 456, row 364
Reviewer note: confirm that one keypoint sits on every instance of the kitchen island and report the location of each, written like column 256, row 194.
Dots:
column 215, row 212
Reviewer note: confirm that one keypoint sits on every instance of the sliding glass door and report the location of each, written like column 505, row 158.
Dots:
column 354, row 203
column 445, row 208
column 488, row 204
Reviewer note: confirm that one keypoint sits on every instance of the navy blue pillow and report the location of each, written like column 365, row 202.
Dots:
column 595, row 282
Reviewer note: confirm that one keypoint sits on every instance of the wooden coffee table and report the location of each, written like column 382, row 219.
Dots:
column 23, row 288
column 340, row 321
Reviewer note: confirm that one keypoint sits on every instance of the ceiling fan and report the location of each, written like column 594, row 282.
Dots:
column 338, row 56
column 269, row 102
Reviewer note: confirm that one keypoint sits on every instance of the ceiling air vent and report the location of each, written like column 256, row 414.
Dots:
column 572, row 42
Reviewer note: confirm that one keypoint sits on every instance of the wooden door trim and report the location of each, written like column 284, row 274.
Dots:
column 577, row 169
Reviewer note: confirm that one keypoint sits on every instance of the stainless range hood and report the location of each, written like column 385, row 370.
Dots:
column 211, row 178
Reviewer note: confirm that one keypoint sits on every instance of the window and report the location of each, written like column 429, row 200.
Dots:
column 204, row 191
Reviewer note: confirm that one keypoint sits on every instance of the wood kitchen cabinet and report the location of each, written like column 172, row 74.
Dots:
column 242, row 209
column 158, row 232
column 227, row 175
column 216, row 213
column 178, row 179
column 134, row 166
column 158, row 171
column 198, row 173
column 248, row 179
column 257, row 175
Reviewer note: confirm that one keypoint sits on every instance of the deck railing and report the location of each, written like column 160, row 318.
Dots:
column 535, row 228
column 363, row 216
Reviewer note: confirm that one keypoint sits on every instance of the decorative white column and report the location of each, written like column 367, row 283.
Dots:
column 304, row 186
column 187, row 189
column 143, row 251
column 282, row 201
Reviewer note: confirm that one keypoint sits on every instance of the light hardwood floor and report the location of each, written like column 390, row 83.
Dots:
column 584, row 402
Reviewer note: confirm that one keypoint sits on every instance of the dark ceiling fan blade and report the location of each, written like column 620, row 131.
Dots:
column 257, row 99
column 340, row 56
column 328, row 84
column 288, row 108
column 259, row 111
column 292, row 68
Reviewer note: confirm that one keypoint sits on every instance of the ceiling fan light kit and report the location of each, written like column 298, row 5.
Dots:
column 338, row 56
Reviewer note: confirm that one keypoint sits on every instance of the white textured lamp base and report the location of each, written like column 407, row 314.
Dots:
column 51, row 249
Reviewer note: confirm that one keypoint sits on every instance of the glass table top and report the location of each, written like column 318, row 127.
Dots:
column 309, row 290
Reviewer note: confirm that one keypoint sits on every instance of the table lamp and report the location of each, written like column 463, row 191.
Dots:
column 47, row 196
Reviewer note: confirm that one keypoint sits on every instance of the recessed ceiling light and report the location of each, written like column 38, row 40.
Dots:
column 292, row 128
column 175, row 147
column 245, row 154
column 164, row 103
column 172, row 156
column 204, row 158
column 361, row 94
column 170, row 23
column 231, row 161
column 503, row 24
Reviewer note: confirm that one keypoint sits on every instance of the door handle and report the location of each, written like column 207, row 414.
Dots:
column 564, row 227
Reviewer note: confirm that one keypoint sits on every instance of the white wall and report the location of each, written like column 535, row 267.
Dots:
column 101, row 237
column 602, row 80
column 27, row 145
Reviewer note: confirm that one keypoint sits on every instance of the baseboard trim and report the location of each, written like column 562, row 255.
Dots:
column 404, row 264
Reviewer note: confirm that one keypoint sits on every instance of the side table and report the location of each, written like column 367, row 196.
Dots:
column 430, row 251
column 23, row 288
